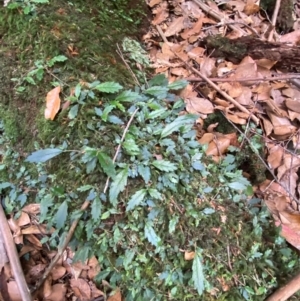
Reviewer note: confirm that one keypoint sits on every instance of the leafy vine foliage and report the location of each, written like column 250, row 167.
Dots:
column 165, row 199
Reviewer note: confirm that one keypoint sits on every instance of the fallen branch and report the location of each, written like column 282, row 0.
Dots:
column 61, row 249
column 286, row 291
column 219, row 17
column 13, row 257
column 247, row 79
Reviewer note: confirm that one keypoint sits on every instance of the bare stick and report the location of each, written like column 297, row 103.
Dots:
column 274, row 19
column 127, row 66
column 250, row 79
column 286, row 291
column 61, row 249
column 217, row 16
column 14, row 257
column 119, row 146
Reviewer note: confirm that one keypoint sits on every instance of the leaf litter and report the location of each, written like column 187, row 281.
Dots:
column 174, row 49
column 250, row 88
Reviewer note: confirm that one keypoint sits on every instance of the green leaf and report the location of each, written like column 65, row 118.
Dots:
column 96, row 209
column 43, row 155
column 129, row 255
column 151, row 235
column 109, row 87
column 118, row 185
column 198, row 276
column 156, row 113
column 73, row 112
column 61, row 215
column 172, row 224
column 106, row 164
column 136, row 199
column 144, row 172
column 58, row 58
column 158, row 91
column 106, row 111
column 131, row 147
column 236, row 186
column 164, row 165
column 178, row 123
column 127, row 96
column 177, row 85
column 77, row 90
column 154, row 193
column 158, row 80
column 84, row 188
column 98, row 112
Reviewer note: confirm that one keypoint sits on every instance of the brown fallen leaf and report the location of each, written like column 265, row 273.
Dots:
column 58, row 293
column 199, row 105
column 81, row 289
column 116, row 296
column 52, row 103
column 189, row 255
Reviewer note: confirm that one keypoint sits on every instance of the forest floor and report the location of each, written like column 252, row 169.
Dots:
column 225, row 64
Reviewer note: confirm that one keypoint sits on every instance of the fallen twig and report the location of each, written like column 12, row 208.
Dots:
column 286, row 291
column 119, row 146
column 14, row 257
column 218, row 16
column 274, row 19
column 248, row 79
column 61, row 249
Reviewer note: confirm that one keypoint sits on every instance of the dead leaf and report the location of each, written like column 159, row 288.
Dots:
column 116, row 297
column 58, row 293
column 189, row 255
column 218, row 147
column 195, row 30
column 57, row 272
column 293, row 105
column 32, row 209
column 13, row 291
column 81, row 289
column 52, row 103
column 161, row 14
column 199, row 105
column 175, row 27
column 23, row 219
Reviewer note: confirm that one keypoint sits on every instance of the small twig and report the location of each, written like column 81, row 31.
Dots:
column 13, row 257
column 250, row 79
column 228, row 255
column 274, row 19
column 61, row 249
column 217, row 16
column 286, row 291
column 119, row 52
column 119, row 146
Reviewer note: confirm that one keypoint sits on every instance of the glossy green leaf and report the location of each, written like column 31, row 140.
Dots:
column 164, row 165
column 61, row 215
column 150, row 234
column 109, row 87
column 43, row 155
column 177, row 85
column 106, row 111
column 154, row 193
column 73, row 112
column 157, row 91
column 118, row 185
column 127, row 96
column 96, row 209
column 106, row 164
column 136, row 199
column 198, row 276
column 158, row 80
column 144, row 172
column 177, row 123
column 131, row 147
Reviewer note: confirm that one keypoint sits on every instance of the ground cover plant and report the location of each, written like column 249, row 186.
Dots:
column 165, row 221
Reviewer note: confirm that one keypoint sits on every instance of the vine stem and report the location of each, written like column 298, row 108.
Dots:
column 119, row 146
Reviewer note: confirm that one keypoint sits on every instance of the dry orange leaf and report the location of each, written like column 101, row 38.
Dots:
column 116, row 297
column 189, row 255
column 52, row 103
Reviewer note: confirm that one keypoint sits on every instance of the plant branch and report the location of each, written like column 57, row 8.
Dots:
column 13, row 256
column 61, row 249
column 248, row 79
column 119, row 146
